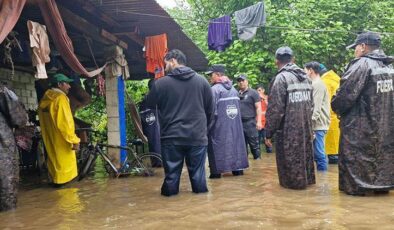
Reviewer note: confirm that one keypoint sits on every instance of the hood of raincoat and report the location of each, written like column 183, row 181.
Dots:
column 294, row 69
column 182, row 73
column 49, row 96
column 227, row 84
column 380, row 56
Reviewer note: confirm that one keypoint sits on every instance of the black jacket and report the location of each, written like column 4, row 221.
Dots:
column 365, row 104
column 185, row 105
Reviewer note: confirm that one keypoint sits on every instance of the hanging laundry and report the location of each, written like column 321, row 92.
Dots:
column 40, row 46
column 117, row 64
column 249, row 19
column 155, row 50
column 60, row 38
column 219, row 33
column 101, row 85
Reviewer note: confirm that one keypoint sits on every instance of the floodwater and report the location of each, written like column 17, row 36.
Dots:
column 252, row 201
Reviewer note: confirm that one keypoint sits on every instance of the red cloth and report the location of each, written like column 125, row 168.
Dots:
column 101, row 85
column 9, row 14
column 63, row 43
column 155, row 50
column 264, row 104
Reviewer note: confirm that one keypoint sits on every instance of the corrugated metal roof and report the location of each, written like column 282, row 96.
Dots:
column 152, row 19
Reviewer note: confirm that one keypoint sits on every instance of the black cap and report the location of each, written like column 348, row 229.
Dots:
column 285, row 50
column 368, row 38
column 242, row 77
column 218, row 68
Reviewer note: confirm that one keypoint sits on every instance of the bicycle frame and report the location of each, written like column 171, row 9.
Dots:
column 97, row 149
column 120, row 171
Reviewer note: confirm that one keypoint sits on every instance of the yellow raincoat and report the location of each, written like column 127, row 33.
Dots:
column 58, row 133
column 331, row 80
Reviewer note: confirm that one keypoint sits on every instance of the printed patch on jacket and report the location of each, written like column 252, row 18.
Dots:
column 299, row 96
column 384, row 86
column 150, row 118
column 232, row 111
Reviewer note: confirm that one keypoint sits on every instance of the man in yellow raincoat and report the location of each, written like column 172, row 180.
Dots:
column 331, row 80
column 58, row 131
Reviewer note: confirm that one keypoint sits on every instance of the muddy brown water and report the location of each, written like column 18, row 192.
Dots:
column 252, row 201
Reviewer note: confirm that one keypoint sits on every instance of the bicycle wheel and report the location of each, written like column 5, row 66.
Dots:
column 82, row 155
column 145, row 164
column 109, row 166
column 87, row 165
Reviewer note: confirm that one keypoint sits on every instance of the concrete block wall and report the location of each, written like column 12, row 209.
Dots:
column 23, row 86
column 112, row 106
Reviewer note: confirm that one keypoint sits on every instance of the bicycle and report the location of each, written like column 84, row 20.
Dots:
column 136, row 164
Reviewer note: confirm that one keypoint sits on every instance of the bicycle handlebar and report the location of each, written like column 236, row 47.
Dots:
column 136, row 141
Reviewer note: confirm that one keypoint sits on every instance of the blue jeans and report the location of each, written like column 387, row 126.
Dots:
column 319, row 150
column 173, row 158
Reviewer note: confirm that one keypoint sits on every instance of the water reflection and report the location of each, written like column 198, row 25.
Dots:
column 69, row 201
column 252, row 201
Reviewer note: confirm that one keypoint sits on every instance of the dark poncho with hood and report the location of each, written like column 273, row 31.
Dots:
column 226, row 149
column 365, row 104
column 289, row 115
column 184, row 101
column 12, row 115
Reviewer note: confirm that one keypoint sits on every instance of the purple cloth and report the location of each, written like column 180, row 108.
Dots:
column 219, row 33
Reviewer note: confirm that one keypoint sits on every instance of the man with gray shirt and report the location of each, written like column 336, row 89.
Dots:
column 321, row 113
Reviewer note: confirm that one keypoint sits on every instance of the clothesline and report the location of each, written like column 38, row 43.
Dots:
column 265, row 26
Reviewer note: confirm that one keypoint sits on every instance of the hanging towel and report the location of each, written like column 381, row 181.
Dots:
column 219, row 33
column 40, row 46
column 116, row 63
column 156, row 49
column 249, row 19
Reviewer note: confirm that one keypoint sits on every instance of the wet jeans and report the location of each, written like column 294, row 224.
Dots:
column 173, row 158
column 319, row 150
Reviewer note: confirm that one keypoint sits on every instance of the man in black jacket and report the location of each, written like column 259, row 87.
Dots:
column 184, row 101
column 365, row 104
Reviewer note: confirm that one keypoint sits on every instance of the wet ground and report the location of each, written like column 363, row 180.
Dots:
column 252, row 201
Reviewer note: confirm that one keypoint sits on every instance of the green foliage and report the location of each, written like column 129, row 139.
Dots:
column 136, row 90
column 256, row 58
column 95, row 113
